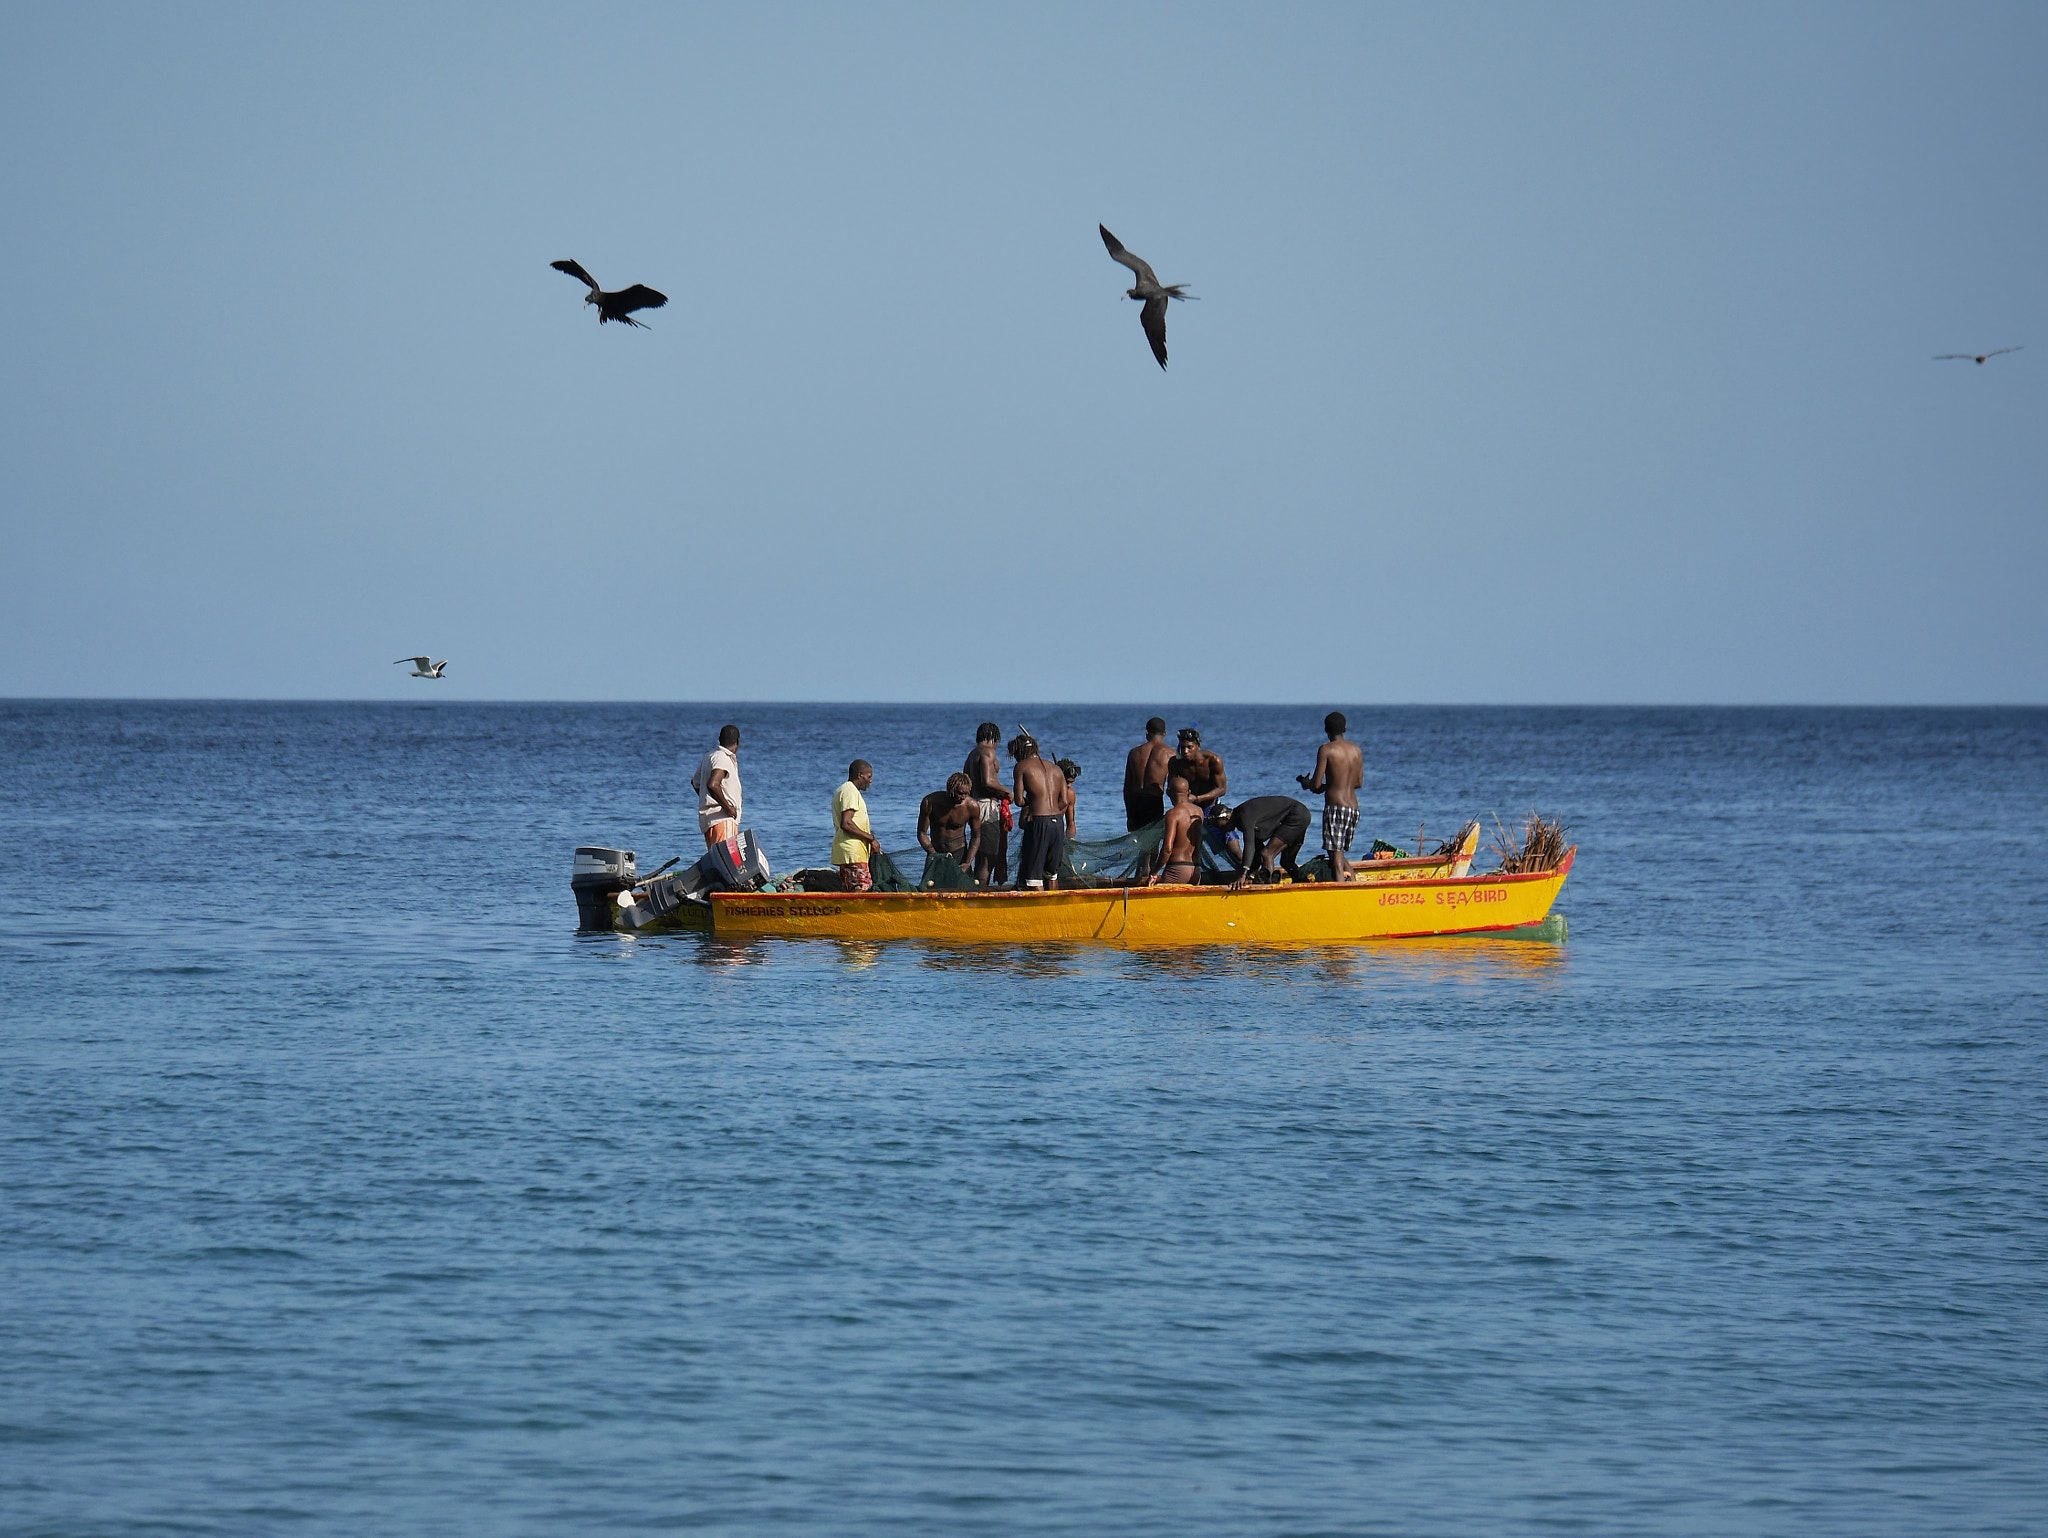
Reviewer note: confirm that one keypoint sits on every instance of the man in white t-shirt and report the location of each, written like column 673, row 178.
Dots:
column 717, row 783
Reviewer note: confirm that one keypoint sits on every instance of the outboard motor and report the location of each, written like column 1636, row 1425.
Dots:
column 596, row 876
column 737, row 865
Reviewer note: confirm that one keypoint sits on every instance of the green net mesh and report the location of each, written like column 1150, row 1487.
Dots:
column 1124, row 860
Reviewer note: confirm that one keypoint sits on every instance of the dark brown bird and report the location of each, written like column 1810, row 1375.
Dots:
column 1150, row 290
column 1976, row 357
column 618, row 305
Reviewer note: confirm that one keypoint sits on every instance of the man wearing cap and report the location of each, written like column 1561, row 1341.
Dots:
column 1272, row 827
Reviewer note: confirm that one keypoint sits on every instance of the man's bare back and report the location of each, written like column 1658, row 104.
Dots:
column 984, row 767
column 1041, row 788
column 1145, row 768
column 1339, row 771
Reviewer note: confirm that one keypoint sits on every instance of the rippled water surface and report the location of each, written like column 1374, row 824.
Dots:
column 345, row 1190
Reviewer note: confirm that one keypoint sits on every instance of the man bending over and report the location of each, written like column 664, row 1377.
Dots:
column 1272, row 826
column 949, row 823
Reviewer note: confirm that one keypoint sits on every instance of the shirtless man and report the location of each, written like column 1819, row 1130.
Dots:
column 1202, row 769
column 984, row 769
column 1070, row 772
column 1042, row 797
column 1178, row 849
column 1145, row 778
column 1207, row 782
column 949, row 821
column 1339, row 771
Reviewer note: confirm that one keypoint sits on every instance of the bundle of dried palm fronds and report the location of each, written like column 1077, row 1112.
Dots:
column 1452, row 844
column 1534, row 845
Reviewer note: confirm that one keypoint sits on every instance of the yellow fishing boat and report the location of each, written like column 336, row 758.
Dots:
column 1395, row 907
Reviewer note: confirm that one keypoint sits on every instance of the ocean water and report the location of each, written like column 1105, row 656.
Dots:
column 344, row 1189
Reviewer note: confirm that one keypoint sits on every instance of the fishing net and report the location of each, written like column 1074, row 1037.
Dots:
column 1121, row 861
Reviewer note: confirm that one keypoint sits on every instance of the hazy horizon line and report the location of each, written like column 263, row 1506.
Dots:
column 984, row 704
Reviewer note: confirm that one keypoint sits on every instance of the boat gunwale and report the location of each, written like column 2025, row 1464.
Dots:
column 1120, row 893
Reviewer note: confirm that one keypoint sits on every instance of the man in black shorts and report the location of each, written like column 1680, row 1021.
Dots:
column 1042, row 795
column 1145, row 778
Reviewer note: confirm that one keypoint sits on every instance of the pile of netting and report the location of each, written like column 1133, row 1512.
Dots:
column 1122, row 861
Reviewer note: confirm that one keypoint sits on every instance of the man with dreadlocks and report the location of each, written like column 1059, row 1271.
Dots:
column 984, row 771
column 1042, row 796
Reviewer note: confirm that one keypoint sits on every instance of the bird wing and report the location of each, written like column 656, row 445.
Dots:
column 437, row 668
column 575, row 270
column 1996, row 351
column 1970, row 356
column 1117, row 253
column 638, row 297
column 418, row 662
column 1153, row 319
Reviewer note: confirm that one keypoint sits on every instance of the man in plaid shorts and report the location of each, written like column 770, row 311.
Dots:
column 1339, row 771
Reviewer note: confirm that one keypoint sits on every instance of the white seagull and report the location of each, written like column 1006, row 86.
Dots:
column 421, row 668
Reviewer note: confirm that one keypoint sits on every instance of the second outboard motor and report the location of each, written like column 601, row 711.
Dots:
column 736, row 865
column 758, row 872
column 596, row 876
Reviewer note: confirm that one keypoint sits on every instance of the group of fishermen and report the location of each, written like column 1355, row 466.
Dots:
column 1184, row 786
column 1181, row 786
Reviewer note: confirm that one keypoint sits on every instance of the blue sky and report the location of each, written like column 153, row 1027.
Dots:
column 1542, row 354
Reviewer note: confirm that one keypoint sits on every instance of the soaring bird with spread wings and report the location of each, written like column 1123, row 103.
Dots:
column 617, row 306
column 1148, row 288
column 422, row 668
column 1976, row 357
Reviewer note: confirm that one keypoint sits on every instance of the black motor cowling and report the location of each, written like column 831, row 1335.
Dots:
column 596, row 876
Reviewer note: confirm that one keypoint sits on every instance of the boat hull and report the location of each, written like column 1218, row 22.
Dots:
column 1311, row 913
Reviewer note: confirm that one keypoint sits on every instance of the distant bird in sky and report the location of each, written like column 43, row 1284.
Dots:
column 1976, row 357
column 1148, row 288
column 421, row 668
column 617, row 306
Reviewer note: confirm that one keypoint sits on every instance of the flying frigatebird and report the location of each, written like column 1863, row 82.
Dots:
column 1149, row 289
column 618, row 305
column 1976, row 357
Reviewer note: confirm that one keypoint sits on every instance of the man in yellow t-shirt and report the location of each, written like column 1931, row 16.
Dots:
column 853, row 840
